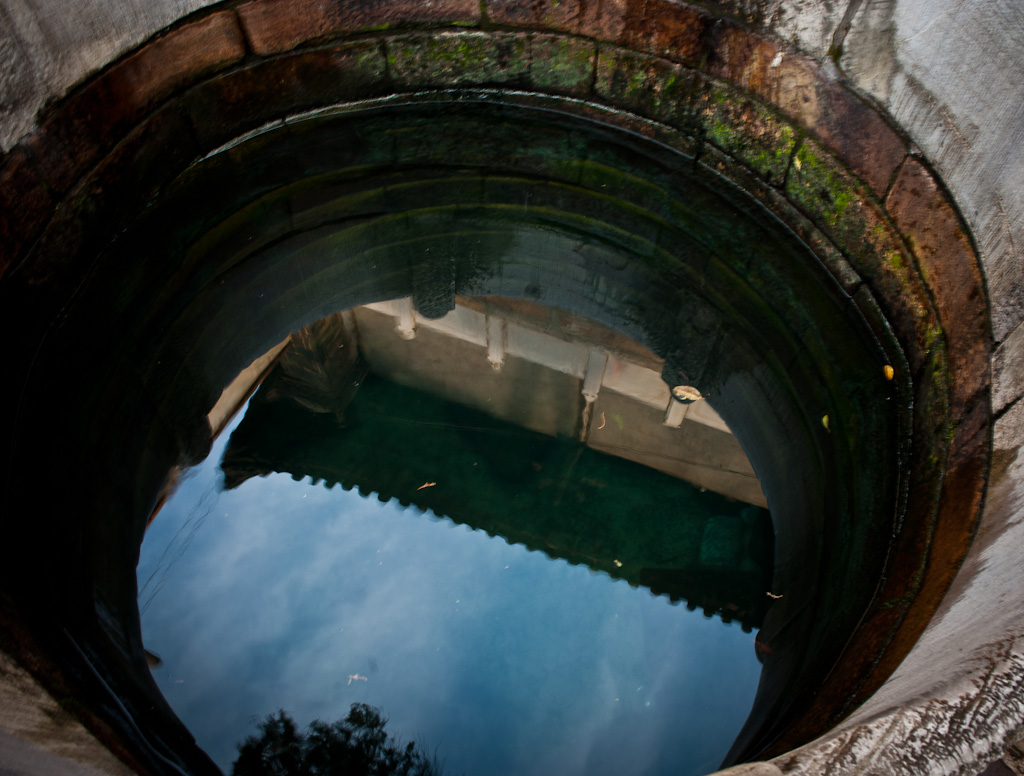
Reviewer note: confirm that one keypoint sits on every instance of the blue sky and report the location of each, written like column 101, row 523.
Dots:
column 281, row 594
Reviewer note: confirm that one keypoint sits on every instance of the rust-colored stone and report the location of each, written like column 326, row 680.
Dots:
column 666, row 29
column 786, row 79
column 963, row 493
column 222, row 108
column 273, row 26
column 181, row 57
column 25, row 206
column 856, row 133
column 972, row 432
column 602, row 20
column 929, row 224
column 77, row 134
column 851, row 129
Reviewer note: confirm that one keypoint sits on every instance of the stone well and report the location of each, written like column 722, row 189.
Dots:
column 883, row 138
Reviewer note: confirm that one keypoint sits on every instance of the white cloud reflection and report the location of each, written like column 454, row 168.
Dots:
column 287, row 590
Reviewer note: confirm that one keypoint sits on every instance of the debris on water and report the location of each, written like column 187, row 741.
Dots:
column 686, row 394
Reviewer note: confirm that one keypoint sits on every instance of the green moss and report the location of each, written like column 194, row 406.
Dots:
column 934, row 335
column 823, row 184
column 841, row 205
column 562, row 64
column 904, row 600
column 652, row 87
column 748, row 132
column 458, row 58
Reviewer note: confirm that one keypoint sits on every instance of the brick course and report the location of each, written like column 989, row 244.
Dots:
column 927, row 221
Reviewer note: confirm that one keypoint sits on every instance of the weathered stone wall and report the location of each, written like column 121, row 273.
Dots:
column 48, row 46
column 949, row 74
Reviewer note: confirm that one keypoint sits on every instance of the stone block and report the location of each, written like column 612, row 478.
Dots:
column 651, row 86
column 845, row 211
column 796, row 85
column 668, row 29
column 856, row 133
column 77, row 134
column 811, row 27
column 25, row 206
column 183, row 56
column 759, row 65
column 747, row 131
column 562, row 65
column 225, row 107
column 970, row 436
column 459, row 59
column 927, row 222
column 274, row 26
column 963, row 492
column 732, row 169
column 604, row 20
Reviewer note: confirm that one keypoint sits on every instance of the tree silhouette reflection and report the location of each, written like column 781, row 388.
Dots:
column 357, row 745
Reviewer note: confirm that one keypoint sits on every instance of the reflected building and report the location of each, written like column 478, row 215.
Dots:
column 525, row 422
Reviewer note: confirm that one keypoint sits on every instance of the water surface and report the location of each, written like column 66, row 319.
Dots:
column 282, row 593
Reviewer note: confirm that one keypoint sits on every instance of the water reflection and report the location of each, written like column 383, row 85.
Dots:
column 357, row 745
column 282, row 593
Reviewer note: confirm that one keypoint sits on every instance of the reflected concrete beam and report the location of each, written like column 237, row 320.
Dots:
column 626, row 409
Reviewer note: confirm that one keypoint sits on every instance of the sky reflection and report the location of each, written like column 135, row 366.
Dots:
column 284, row 594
